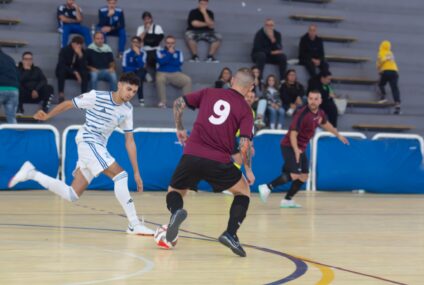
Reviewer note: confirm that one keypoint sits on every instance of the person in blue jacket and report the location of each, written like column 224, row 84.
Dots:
column 134, row 60
column 112, row 23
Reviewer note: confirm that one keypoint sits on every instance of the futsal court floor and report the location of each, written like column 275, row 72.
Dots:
column 336, row 238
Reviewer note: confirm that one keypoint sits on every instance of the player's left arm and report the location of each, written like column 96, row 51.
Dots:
column 330, row 128
column 179, row 106
column 62, row 107
column 132, row 154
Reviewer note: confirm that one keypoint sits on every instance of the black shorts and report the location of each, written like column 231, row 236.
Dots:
column 290, row 164
column 191, row 169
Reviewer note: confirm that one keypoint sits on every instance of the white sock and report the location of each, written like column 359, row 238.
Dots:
column 123, row 195
column 56, row 186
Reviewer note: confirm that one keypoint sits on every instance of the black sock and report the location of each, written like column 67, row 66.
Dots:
column 174, row 201
column 280, row 180
column 238, row 212
column 294, row 189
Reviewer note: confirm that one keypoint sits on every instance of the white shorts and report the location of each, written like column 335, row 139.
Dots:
column 93, row 159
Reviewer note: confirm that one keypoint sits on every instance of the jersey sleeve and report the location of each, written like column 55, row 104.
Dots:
column 246, row 124
column 194, row 99
column 85, row 101
column 127, row 124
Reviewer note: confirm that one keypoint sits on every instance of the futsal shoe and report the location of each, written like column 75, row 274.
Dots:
column 233, row 243
column 140, row 229
column 22, row 175
column 289, row 204
column 264, row 192
column 174, row 224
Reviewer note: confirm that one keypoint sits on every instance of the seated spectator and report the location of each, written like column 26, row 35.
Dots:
column 388, row 70
column 259, row 85
column 112, row 23
column 273, row 103
column 169, row 71
column 322, row 83
column 291, row 92
column 134, row 60
column 201, row 24
column 9, row 87
column 72, row 64
column 151, row 35
column 101, row 63
column 224, row 80
column 69, row 18
column 311, row 52
column 267, row 48
column 33, row 87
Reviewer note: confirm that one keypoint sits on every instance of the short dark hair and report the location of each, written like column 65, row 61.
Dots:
column 136, row 38
column 78, row 40
column 146, row 14
column 26, row 53
column 314, row 91
column 130, row 78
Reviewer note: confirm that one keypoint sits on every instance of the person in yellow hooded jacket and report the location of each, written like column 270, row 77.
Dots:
column 389, row 73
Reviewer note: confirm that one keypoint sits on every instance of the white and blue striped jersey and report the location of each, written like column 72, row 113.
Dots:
column 102, row 116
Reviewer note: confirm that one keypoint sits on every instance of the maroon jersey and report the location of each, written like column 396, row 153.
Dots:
column 221, row 113
column 305, row 123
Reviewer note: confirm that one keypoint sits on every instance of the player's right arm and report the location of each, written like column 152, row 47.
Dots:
column 62, row 107
column 179, row 106
column 293, row 142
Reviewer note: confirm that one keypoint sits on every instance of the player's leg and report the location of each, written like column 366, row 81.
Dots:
column 175, row 204
column 122, row 193
column 69, row 193
column 299, row 177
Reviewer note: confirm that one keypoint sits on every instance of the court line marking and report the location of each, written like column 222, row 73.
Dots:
column 147, row 268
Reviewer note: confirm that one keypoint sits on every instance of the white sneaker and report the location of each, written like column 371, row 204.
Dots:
column 140, row 229
column 22, row 175
column 289, row 204
column 264, row 192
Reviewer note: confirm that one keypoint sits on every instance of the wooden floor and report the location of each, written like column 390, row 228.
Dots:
column 336, row 238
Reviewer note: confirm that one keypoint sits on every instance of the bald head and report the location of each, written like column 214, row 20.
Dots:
column 243, row 81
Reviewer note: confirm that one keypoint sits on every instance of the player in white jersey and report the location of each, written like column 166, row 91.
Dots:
column 104, row 111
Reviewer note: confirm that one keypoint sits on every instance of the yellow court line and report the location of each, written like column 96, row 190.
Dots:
column 327, row 272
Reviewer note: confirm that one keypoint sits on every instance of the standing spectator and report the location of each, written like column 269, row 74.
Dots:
column 291, row 92
column 311, row 52
column 69, row 18
column 112, row 23
column 33, row 87
column 224, row 80
column 267, row 48
column 322, row 83
column 151, row 35
column 388, row 70
column 274, row 104
column 134, row 60
column 201, row 24
column 101, row 63
column 9, row 87
column 170, row 61
column 72, row 64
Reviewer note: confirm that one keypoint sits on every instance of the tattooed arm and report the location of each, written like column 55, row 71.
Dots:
column 179, row 105
column 245, row 147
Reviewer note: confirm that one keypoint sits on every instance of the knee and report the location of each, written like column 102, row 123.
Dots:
column 304, row 177
column 160, row 78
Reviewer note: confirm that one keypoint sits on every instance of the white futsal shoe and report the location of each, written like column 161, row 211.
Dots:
column 22, row 175
column 140, row 229
column 289, row 204
column 264, row 192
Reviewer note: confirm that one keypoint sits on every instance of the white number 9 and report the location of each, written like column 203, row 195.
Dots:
column 221, row 111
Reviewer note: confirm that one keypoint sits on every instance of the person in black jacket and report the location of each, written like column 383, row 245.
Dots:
column 33, row 87
column 322, row 82
column 311, row 52
column 267, row 48
column 9, row 86
column 291, row 92
column 72, row 64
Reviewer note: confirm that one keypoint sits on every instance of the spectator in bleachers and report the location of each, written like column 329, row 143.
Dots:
column 112, row 23
column 33, row 86
column 388, row 70
column 9, row 87
column 169, row 70
column 258, row 82
column 201, row 24
column 292, row 92
column 224, row 79
column 322, row 83
column 274, row 104
column 268, row 48
column 134, row 60
column 72, row 64
column 69, row 18
column 151, row 35
column 101, row 63
column 311, row 52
